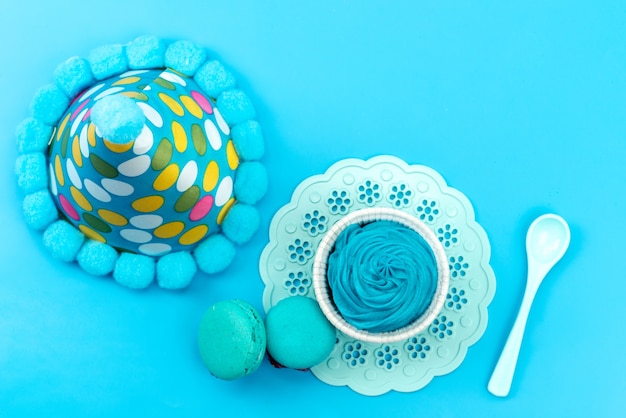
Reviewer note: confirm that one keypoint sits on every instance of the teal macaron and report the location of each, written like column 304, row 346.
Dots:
column 298, row 334
column 231, row 339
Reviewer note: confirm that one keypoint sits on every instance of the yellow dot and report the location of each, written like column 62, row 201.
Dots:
column 112, row 217
column 231, row 155
column 211, row 176
column 192, row 106
column 80, row 199
column 180, row 136
column 148, row 203
column 62, row 126
column 167, row 178
column 91, row 134
column 172, row 104
column 58, row 170
column 224, row 211
column 90, row 233
column 76, row 155
column 169, row 230
column 194, row 235
column 118, row 148
column 127, row 80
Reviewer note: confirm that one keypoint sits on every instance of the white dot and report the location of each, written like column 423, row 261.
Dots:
column 187, row 176
column 135, row 166
column 422, row 187
column 224, row 191
column 78, row 121
column 151, row 114
column 136, row 235
column 83, row 142
column 215, row 139
column 386, row 175
column 146, row 221
column 118, row 188
column 174, row 78
column 97, row 191
column 133, row 72
column 220, row 121
column 53, row 182
column 73, row 174
column 108, row 92
column 144, row 141
column 155, row 249
column 90, row 92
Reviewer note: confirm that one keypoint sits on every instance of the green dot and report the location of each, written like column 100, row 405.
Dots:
column 164, row 83
column 162, row 155
column 187, row 199
column 102, row 167
column 65, row 141
column 199, row 140
column 96, row 223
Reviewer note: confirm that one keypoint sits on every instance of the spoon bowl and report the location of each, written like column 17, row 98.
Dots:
column 546, row 241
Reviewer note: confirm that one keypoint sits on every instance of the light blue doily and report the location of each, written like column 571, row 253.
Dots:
column 385, row 181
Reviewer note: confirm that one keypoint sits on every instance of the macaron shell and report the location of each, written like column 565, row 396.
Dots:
column 231, row 339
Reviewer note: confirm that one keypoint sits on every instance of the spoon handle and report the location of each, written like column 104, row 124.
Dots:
column 500, row 382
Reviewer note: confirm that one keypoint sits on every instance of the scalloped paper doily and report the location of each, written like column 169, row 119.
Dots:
column 384, row 181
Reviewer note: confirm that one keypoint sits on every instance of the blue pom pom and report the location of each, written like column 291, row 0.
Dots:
column 107, row 61
column 146, row 52
column 185, row 57
column 241, row 223
column 250, row 182
column 63, row 240
column 32, row 136
column 235, row 106
column 213, row 78
column 134, row 270
column 39, row 210
column 248, row 140
column 31, row 171
column 214, row 254
column 175, row 270
column 49, row 104
column 118, row 118
column 73, row 76
column 97, row 258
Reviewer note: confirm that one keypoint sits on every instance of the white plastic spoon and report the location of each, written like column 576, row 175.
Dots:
column 546, row 241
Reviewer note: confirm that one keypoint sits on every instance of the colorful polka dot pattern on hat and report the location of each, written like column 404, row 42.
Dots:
column 165, row 191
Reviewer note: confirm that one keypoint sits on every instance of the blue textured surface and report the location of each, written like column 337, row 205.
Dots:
column 214, row 254
column 107, row 61
column 248, row 140
column 185, row 56
column 134, row 270
column 97, row 258
column 214, row 78
column 63, row 241
column 32, row 135
column 235, row 106
column 518, row 105
column 73, row 75
column 251, row 182
column 241, row 223
column 118, row 118
column 31, row 171
column 176, row 270
column 39, row 210
column 145, row 52
column 48, row 104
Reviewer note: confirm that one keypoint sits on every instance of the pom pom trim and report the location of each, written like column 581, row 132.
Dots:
column 228, row 89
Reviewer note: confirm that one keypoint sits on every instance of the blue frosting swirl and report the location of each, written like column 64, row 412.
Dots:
column 382, row 275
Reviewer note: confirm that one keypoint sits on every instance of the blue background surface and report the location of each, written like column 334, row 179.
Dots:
column 519, row 105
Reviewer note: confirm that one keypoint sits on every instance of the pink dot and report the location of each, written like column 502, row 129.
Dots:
column 79, row 109
column 201, row 209
column 202, row 101
column 86, row 115
column 68, row 208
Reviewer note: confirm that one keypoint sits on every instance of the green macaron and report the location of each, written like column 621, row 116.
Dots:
column 298, row 334
column 231, row 339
